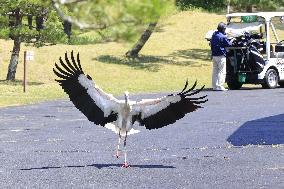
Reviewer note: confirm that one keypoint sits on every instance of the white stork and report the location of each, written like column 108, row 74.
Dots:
column 119, row 115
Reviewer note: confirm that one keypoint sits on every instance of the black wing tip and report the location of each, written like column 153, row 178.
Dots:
column 89, row 77
column 79, row 62
column 185, row 86
column 185, row 91
column 59, row 74
column 74, row 69
column 200, row 101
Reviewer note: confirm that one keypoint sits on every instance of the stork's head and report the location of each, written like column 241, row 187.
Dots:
column 126, row 96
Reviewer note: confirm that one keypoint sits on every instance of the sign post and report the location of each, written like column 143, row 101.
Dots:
column 28, row 55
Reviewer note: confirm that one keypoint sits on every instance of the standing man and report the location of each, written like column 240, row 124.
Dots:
column 219, row 42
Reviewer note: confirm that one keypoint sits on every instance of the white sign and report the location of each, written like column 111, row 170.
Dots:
column 29, row 55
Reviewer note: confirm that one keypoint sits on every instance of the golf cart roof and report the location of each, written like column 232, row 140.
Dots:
column 266, row 15
column 238, row 29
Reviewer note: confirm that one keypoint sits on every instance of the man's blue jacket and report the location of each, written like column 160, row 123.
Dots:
column 218, row 43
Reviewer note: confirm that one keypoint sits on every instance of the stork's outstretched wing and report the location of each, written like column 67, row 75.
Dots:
column 98, row 106
column 157, row 113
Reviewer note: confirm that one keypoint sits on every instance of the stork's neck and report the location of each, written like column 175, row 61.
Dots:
column 126, row 96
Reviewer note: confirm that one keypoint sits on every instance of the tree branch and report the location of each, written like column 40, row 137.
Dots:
column 64, row 2
column 72, row 20
column 82, row 25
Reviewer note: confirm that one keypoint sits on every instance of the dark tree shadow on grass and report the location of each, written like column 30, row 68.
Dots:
column 18, row 82
column 199, row 54
column 149, row 63
column 264, row 131
column 138, row 63
column 100, row 166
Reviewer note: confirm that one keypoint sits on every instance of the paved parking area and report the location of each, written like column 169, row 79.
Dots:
column 235, row 141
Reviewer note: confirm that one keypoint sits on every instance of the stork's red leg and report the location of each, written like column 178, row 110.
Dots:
column 117, row 149
column 126, row 165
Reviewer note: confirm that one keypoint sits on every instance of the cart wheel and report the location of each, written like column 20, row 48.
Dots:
column 234, row 84
column 271, row 79
column 281, row 84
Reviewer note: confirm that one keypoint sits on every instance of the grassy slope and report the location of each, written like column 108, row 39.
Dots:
column 176, row 52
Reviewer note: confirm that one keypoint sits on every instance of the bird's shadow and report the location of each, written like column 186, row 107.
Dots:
column 100, row 166
column 264, row 131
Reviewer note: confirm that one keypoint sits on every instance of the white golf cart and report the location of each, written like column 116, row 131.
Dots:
column 257, row 54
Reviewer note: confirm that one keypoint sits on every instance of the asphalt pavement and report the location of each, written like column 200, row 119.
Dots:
column 235, row 141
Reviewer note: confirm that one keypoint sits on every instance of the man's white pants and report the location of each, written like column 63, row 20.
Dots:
column 219, row 72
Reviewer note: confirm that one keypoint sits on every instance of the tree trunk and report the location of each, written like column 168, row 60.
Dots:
column 249, row 8
column 30, row 21
column 133, row 53
column 39, row 23
column 228, row 6
column 67, row 28
column 16, row 49
column 14, row 59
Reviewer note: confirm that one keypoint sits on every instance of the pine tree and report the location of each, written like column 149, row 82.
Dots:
column 28, row 21
column 38, row 22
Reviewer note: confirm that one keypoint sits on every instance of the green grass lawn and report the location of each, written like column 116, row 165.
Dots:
column 176, row 52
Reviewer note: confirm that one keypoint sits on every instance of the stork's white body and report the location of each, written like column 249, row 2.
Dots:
column 123, row 124
column 124, row 117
